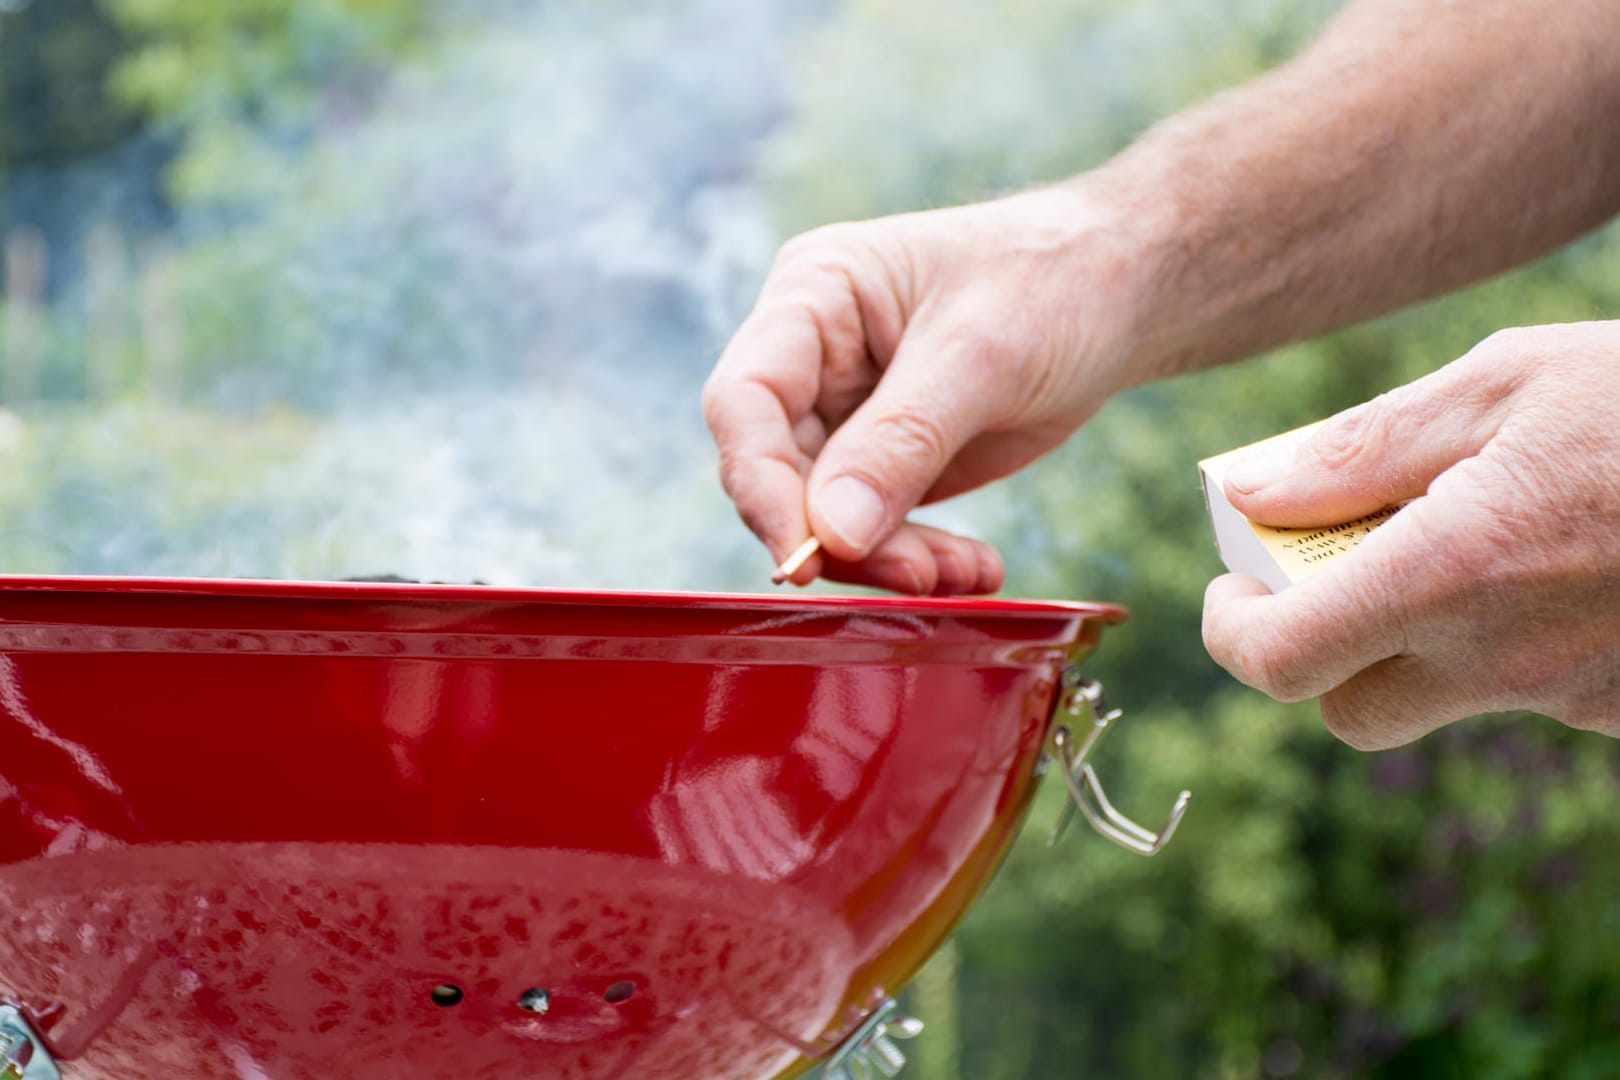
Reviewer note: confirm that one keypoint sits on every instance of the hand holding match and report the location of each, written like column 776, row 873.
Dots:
column 825, row 422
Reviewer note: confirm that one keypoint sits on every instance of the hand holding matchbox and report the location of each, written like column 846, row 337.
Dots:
column 1278, row 557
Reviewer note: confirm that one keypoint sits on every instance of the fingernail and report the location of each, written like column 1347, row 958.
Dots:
column 1249, row 475
column 852, row 509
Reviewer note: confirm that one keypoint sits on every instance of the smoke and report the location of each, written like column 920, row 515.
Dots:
column 487, row 303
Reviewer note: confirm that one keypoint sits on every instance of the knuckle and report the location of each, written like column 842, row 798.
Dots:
column 983, row 351
column 954, row 570
column 796, row 249
column 1508, row 341
column 819, row 246
column 1359, row 435
column 806, row 305
column 992, row 570
column 754, row 480
column 1355, row 724
column 1215, row 637
column 731, row 469
column 1281, row 674
column 825, row 316
column 713, row 400
column 1265, row 661
column 912, row 437
column 1505, row 359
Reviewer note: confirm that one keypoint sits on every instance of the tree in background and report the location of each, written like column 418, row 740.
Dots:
column 54, row 103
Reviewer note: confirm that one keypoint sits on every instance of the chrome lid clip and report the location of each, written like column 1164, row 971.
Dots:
column 1081, row 704
column 22, row 1054
column 871, row 1052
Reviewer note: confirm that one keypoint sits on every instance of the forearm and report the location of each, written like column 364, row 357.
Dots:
column 1417, row 145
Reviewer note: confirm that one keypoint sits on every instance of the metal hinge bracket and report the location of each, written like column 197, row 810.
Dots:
column 22, row 1053
column 871, row 1052
column 1081, row 705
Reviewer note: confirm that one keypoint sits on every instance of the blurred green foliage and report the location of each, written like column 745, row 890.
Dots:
column 86, row 454
column 236, row 95
column 1445, row 910
column 247, row 82
column 54, row 101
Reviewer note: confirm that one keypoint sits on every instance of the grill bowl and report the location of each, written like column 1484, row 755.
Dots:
column 306, row 829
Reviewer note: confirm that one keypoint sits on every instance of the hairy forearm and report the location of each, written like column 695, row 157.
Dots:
column 1417, row 145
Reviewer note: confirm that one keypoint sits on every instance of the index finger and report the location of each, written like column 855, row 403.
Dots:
column 759, row 405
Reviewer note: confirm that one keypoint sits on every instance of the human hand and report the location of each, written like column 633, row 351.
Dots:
column 1497, row 587
column 900, row 361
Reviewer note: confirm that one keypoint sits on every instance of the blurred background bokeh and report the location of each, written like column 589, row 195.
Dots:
column 318, row 288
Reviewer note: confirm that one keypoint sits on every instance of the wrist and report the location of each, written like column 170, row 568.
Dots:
column 1125, row 250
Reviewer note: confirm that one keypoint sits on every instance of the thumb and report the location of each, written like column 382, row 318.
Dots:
column 1377, row 454
column 883, row 459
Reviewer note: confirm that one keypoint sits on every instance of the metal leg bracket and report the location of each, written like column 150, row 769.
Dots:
column 871, row 1052
column 1081, row 705
column 22, row 1055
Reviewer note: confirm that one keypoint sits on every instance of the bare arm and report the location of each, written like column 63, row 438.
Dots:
column 1416, row 145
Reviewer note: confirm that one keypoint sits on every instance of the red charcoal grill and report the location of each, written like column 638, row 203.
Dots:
column 271, row 829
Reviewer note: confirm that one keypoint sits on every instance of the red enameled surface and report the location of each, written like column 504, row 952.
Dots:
column 246, row 828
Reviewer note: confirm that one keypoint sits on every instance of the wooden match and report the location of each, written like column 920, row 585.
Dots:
column 791, row 564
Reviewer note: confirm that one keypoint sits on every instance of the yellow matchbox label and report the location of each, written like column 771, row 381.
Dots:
column 1279, row 557
column 1301, row 551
